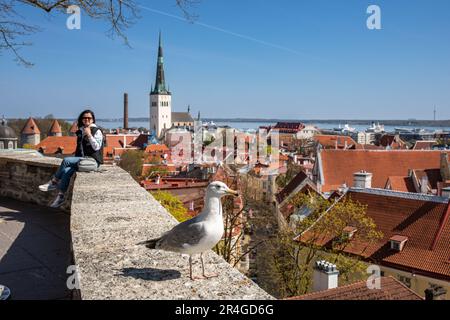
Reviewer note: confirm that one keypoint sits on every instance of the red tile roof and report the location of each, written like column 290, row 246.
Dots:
column 392, row 141
column 368, row 147
column 74, row 127
column 30, row 127
column 291, row 186
column 55, row 128
column 335, row 141
column 140, row 141
column 119, row 140
column 424, row 145
column 289, row 127
column 54, row 145
column 157, row 148
column 398, row 238
column 339, row 165
column 403, row 184
column 391, row 289
column 425, row 220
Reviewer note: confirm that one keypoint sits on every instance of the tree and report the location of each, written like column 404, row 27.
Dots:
column 132, row 161
column 284, row 179
column 233, row 233
column 119, row 15
column 172, row 204
column 152, row 172
column 236, row 225
column 302, row 146
column 323, row 235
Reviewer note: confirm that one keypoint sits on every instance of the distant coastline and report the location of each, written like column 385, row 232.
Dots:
column 400, row 123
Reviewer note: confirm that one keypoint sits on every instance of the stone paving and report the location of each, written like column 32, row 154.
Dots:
column 35, row 250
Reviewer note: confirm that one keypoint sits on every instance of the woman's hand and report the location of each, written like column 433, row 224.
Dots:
column 87, row 131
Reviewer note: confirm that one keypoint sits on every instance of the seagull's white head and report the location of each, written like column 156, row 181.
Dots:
column 220, row 189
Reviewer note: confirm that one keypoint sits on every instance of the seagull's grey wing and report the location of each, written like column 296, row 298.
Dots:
column 187, row 233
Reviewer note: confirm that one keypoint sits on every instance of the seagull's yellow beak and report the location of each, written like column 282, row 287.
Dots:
column 232, row 192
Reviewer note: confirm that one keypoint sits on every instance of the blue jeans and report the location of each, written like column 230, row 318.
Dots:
column 66, row 170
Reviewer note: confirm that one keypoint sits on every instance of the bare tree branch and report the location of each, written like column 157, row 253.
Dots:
column 119, row 14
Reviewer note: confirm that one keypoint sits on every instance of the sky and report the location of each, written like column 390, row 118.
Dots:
column 285, row 59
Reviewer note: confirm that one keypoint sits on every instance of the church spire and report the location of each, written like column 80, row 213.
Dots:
column 160, row 84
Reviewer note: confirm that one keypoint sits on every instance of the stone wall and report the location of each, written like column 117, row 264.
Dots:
column 21, row 173
column 110, row 213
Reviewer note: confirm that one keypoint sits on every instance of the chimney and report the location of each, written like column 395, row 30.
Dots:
column 125, row 111
column 446, row 192
column 424, row 185
column 445, row 166
column 362, row 180
column 325, row 276
column 435, row 293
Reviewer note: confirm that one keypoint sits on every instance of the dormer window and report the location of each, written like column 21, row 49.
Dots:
column 349, row 231
column 397, row 242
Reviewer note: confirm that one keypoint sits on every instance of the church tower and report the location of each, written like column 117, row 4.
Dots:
column 160, row 99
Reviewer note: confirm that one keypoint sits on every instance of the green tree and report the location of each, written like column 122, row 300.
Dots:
column 154, row 171
column 284, row 179
column 322, row 236
column 132, row 161
column 172, row 204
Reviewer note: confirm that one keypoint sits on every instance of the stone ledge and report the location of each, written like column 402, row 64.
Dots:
column 30, row 157
column 110, row 213
column 21, row 173
column 112, row 266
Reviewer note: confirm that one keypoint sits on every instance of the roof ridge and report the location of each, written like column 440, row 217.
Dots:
column 30, row 127
column 55, row 127
column 402, row 194
column 356, row 284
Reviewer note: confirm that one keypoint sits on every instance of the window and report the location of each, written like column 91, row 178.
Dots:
column 397, row 242
column 10, row 145
column 395, row 245
column 405, row 280
column 349, row 232
column 2, row 146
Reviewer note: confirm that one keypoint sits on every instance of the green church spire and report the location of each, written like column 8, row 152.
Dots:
column 160, row 84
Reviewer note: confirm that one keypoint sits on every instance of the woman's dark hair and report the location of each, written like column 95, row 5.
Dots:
column 80, row 118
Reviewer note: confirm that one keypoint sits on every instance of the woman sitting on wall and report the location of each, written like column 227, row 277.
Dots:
column 89, row 146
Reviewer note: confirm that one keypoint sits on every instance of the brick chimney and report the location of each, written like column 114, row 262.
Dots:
column 125, row 111
column 362, row 180
column 325, row 276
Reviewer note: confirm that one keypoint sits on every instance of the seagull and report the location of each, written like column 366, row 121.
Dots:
column 198, row 234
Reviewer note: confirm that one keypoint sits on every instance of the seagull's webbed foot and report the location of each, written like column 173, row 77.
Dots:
column 195, row 278
column 207, row 275
column 210, row 275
